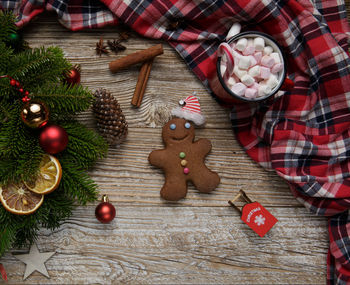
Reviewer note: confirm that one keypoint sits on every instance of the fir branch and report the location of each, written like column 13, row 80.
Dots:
column 25, row 167
column 41, row 71
column 20, row 231
column 85, row 146
column 6, row 55
column 27, row 233
column 13, row 134
column 76, row 183
column 7, row 25
column 7, row 91
column 4, row 114
column 56, row 208
column 34, row 67
column 7, row 232
column 20, row 153
column 64, row 100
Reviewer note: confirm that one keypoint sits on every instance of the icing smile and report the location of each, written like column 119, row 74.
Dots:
column 179, row 139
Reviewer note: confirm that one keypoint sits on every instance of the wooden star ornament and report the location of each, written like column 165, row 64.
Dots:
column 35, row 261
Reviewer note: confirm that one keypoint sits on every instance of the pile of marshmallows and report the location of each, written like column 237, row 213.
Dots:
column 249, row 68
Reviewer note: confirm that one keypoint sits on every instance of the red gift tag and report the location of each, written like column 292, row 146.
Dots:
column 3, row 272
column 255, row 215
column 258, row 218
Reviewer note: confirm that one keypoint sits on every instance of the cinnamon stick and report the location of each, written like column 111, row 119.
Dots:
column 136, row 57
column 141, row 83
column 144, row 85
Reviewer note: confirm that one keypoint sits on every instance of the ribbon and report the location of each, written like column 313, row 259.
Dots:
column 3, row 272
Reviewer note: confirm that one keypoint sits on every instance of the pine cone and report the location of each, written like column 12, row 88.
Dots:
column 110, row 118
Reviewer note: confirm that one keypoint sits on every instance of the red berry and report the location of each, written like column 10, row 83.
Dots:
column 17, row 83
column 13, row 82
column 21, row 90
column 73, row 76
column 25, row 99
column 26, row 93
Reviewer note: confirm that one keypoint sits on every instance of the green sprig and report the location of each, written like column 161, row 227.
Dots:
column 41, row 72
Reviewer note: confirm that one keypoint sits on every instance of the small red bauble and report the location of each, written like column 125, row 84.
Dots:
column 73, row 76
column 105, row 211
column 53, row 139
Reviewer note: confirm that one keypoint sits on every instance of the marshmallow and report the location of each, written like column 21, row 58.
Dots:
column 258, row 56
column 231, row 81
column 247, row 80
column 236, row 54
column 234, row 30
column 276, row 57
column 267, row 61
column 251, row 93
column 256, row 85
column 239, row 72
column 252, row 61
column 254, row 71
column 277, row 68
column 250, row 42
column 244, row 62
column 239, row 89
column 264, row 72
column 272, row 81
column 248, row 50
column 264, row 90
column 259, row 44
column 241, row 44
column 268, row 50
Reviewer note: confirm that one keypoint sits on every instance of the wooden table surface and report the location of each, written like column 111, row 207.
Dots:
column 200, row 239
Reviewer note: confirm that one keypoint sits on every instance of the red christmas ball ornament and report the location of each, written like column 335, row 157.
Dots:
column 105, row 211
column 53, row 139
column 73, row 76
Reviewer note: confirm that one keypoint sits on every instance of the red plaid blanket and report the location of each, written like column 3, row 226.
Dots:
column 304, row 135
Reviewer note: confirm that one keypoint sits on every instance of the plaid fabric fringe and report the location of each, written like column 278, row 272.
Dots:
column 303, row 134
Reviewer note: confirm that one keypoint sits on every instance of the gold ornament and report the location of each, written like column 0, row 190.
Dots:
column 35, row 114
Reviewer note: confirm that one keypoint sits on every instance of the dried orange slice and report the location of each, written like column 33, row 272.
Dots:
column 18, row 199
column 49, row 177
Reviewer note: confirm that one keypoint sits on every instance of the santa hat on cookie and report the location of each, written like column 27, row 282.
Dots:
column 189, row 109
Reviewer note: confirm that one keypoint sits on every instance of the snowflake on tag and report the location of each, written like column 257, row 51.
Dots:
column 259, row 220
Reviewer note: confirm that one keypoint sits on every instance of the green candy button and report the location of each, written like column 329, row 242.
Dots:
column 182, row 155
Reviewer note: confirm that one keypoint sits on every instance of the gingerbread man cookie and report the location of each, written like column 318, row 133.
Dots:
column 182, row 160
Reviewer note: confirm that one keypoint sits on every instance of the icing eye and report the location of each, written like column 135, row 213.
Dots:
column 172, row 127
column 187, row 125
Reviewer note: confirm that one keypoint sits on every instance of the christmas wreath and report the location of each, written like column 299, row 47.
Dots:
column 44, row 150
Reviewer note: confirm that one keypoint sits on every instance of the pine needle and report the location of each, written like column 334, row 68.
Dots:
column 41, row 72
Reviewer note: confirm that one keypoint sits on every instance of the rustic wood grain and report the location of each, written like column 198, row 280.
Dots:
column 200, row 239
column 154, row 244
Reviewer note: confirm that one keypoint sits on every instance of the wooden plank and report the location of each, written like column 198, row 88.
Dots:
column 126, row 176
column 182, row 245
column 163, row 89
